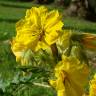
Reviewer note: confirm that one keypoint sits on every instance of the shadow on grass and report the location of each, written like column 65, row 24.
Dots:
column 80, row 29
column 8, row 20
column 13, row 5
column 9, row 0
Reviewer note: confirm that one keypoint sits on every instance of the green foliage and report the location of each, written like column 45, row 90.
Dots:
column 27, row 78
column 67, row 2
column 18, row 84
column 45, row 1
column 23, row 86
column 92, row 5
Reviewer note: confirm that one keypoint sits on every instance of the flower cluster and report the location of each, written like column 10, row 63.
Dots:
column 42, row 29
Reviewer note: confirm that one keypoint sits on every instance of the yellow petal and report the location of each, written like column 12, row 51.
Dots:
column 51, row 37
column 52, row 18
column 61, row 93
column 41, row 45
column 92, row 89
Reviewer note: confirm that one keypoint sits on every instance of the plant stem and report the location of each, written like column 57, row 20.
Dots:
column 55, row 52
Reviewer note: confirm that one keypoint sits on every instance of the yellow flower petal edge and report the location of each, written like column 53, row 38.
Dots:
column 38, row 26
column 24, row 57
column 92, row 90
column 63, row 41
column 69, row 73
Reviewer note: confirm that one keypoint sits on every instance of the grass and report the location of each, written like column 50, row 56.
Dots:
column 7, row 61
column 10, row 13
column 79, row 24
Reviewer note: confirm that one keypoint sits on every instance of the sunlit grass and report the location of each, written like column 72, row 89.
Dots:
column 79, row 24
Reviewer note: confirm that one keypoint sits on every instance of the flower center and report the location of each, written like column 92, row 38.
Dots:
column 41, row 35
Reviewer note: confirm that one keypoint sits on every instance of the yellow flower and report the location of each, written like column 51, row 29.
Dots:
column 39, row 29
column 92, row 91
column 71, row 77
